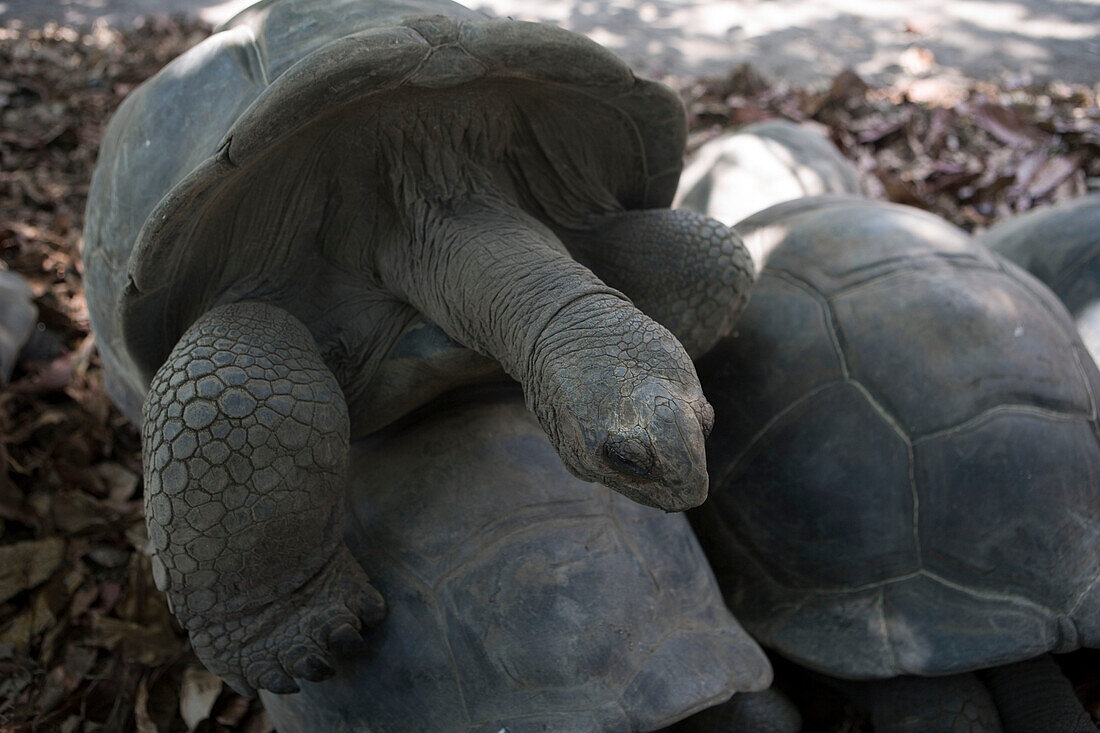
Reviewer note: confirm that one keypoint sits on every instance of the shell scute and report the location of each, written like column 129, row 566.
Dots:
column 961, row 341
column 828, row 486
column 986, row 631
column 1004, row 519
column 787, row 330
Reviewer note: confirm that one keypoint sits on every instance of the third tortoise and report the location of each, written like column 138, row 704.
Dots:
column 756, row 166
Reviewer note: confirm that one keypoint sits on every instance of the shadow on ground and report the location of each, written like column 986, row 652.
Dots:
column 804, row 41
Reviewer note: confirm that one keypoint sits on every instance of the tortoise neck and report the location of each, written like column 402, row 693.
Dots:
column 487, row 272
column 440, row 145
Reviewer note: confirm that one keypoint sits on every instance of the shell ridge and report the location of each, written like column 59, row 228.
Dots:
column 989, row 595
column 1081, row 597
column 1084, row 261
column 460, row 686
column 732, row 536
column 887, row 638
column 886, row 268
column 832, row 328
column 988, row 414
column 1020, row 277
column 728, row 474
column 495, row 530
column 896, row 426
column 429, row 595
column 1013, row 274
column 645, row 660
column 836, row 336
column 493, row 544
column 628, row 540
column 764, row 574
column 1077, row 360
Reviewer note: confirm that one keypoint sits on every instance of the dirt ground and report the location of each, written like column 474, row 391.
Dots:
column 799, row 41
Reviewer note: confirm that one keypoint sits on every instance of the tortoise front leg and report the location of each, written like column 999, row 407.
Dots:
column 245, row 443
column 688, row 272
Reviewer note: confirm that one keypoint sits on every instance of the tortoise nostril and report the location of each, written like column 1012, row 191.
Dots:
column 629, row 455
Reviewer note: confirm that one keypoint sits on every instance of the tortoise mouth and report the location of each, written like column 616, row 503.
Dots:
column 675, row 495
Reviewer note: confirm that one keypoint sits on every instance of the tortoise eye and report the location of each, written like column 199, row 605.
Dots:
column 629, row 455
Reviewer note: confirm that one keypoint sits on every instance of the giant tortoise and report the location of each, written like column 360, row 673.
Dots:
column 1060, row 245
column 332, row 211
column 756, row 166
column 906, row 469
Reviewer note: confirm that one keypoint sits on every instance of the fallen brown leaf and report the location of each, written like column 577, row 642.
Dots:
column 199, row 691
column 143, row 722
column 1052, row 173
column 149, row 646
column 1008, row 125
column 24, row 565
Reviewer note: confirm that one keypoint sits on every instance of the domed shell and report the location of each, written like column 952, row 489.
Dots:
column 520, row 597
column 1061, row 247
column 905, row 472
column 745, row 171
column 170, row 194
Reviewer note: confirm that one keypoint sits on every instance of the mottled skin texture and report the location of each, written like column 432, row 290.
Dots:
column 1034, row 696
column 953, row 704
column 245, row 445
column 688, row 289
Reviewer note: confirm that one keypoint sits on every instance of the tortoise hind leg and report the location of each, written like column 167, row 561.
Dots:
column 954, row 704
column 766, row 711
column 244, row 443
column 1035, row 697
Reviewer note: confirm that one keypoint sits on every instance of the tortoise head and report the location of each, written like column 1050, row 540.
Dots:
column 623, row 406
column 647, row 445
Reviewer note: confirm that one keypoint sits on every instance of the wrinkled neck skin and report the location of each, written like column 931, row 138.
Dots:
column 614, row 390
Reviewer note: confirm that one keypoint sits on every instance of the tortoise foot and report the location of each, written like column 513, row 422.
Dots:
column 296, row 635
